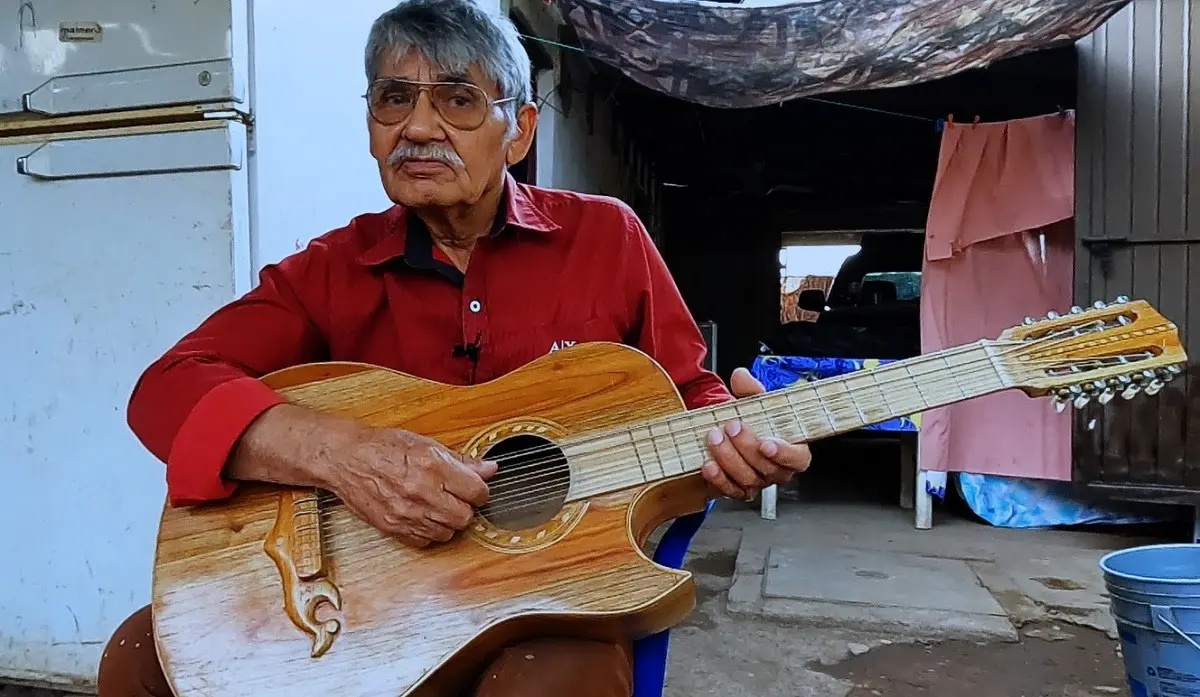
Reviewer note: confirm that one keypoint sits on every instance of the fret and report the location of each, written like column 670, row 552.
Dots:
column 804, row 434
column 780, row 417
column 860, row 385
column 930, row 380
column 990, row 350
column 893, row 410
column 950, row 371
column 692, row 448
column 971, row 368
column 637, row 455
column 834, row 397
column 658, row 455
column 917, row 384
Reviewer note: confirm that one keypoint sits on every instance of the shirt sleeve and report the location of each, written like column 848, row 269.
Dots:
column 191, row 406
column 665, row 329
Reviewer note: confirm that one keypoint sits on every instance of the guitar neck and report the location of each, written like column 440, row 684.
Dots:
column 675, row 445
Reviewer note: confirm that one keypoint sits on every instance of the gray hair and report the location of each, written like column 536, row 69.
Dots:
column 454, row 34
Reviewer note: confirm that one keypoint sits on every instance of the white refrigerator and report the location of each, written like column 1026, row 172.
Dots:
column 153, row 156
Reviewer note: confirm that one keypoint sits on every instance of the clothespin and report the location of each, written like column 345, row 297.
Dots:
column 950, row 121
column 1061, row 111
column 976, row 122
column 940, row 125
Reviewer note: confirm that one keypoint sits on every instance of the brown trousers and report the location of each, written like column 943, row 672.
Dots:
column 539, row 668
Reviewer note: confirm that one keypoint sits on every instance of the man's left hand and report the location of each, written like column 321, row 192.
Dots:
column 741, row 463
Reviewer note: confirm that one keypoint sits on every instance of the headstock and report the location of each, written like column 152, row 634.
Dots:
column 1105, row 351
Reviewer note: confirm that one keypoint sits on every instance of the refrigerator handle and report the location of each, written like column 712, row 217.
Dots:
column 218, row 146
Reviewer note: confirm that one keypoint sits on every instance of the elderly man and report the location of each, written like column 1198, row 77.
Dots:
column 469, row 276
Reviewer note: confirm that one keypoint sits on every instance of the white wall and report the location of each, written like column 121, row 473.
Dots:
column 568, row 156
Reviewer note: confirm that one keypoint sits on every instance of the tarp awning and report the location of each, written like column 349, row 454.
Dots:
column 763, row 52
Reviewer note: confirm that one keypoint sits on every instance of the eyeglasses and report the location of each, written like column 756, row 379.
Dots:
column 462, row 105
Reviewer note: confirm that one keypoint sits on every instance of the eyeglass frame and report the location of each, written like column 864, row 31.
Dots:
column 428, row 87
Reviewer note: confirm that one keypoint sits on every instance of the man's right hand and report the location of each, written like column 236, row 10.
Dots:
column 409, row 486
column 405, row 485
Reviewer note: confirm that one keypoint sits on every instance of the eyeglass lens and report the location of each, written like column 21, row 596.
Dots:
column 461, row 105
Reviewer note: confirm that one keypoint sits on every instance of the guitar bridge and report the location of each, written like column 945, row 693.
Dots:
column 296, row 546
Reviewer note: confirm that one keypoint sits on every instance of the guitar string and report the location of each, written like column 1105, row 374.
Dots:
column 801, row 401
column 671, row 420
column 624, row 468
column 804, row 399
column 535, row 496
column 548, row 492
column 1006, row 347
column 502, row 502
column 532, row 494
column 510, row 501
column 983, row 384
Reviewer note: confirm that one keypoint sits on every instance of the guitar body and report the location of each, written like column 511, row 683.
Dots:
column 247, row 602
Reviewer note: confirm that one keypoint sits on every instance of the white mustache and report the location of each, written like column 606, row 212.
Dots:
column 430, row 151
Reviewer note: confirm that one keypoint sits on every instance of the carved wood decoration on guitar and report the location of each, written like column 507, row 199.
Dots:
column 281, row 592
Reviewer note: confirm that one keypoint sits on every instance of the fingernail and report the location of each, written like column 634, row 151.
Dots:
column 769, row 448
column 733, row 428
column 715, row 436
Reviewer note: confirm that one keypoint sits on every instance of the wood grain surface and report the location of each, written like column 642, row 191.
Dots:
column 423, row 622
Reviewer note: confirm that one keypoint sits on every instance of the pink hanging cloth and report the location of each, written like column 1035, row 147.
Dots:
column 999, row 246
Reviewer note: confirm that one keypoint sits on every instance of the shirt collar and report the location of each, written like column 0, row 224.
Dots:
column 520, row 212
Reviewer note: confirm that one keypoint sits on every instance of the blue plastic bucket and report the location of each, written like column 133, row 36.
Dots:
column 1154, row 596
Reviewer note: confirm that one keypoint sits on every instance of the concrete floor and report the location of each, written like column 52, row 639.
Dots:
column 1035, row 591
column 1006, row 606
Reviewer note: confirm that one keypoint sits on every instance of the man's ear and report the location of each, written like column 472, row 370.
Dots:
column 522, row 140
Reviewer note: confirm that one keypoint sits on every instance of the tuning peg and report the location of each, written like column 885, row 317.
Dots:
column 1081, row 400
column 1121, row 300
column 1165, row 375
column 1175, row 369
column 1075, row 309
column 1099, row 304
column 1027, row 321
column 1052, row 315
column 1106, row 396
column 1131, row 391
column 1153, row 387
column 1060, row 405
column 1124, row 321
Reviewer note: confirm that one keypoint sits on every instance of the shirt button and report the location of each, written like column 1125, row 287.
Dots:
column 475, row 306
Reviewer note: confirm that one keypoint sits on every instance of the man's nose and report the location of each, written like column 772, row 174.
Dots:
column 423, row 124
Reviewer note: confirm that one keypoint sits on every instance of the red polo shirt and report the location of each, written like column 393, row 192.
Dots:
column 563, row 268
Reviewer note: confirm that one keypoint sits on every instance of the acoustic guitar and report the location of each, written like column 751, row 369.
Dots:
column 281, row 592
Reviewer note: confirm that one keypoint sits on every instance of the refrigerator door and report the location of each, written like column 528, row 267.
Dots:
column 80, row 56
column 113, row 248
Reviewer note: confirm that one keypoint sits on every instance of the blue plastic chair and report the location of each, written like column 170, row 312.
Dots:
column 650, row 653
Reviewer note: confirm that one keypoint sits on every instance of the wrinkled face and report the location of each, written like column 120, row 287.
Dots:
column 449, row 144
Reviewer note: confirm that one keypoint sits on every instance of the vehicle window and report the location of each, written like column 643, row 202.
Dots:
column 908, row 283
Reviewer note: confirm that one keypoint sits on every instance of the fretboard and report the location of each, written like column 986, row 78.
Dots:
column 668, row 447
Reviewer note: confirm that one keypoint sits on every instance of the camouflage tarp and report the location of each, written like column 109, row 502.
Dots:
column 766, row 51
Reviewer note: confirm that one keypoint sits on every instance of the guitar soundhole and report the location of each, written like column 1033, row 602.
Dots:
column 531, row 484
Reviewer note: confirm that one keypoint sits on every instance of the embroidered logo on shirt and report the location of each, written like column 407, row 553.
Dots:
column 558, row 345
